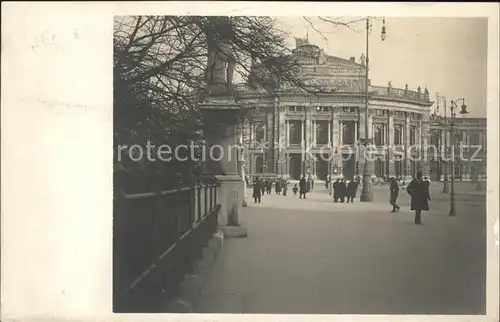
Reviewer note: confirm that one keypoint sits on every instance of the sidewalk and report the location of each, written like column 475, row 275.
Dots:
column 314, row 256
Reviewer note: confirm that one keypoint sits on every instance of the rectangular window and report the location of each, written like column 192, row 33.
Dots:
column 379, row 134
column 348, row 133
column 413, row 135
column 322, row 132
column 295, row 132
column 259, row 132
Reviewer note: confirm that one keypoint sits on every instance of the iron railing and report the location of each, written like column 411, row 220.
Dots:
column 157, row 238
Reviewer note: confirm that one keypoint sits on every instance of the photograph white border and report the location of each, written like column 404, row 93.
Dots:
column 56, row 228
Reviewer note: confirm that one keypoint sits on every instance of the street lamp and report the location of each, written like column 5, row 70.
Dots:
column 366, row 191
column 463, row 110
column 446, row 188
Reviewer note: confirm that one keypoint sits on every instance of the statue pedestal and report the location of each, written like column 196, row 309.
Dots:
column 220, row 117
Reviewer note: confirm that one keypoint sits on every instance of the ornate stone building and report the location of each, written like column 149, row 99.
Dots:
column 292, row 132
column 469, row 146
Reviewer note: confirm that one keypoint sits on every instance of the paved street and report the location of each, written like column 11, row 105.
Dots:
column 316, row 257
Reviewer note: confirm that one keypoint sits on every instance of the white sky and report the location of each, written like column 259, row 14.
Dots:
column 448, row 55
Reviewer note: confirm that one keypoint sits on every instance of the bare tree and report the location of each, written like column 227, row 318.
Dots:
column 159, row 76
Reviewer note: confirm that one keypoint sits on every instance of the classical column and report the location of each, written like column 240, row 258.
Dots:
column 341, row 132
column 370, row 125
column 406, row 138
column 281, row 141
column 303, row 146
column 287, row 133
column 336, row 143
column 425, row 132
column 390, row 152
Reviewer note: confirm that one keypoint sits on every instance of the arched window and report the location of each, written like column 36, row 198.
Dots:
column 398, row 134
column 348, row 132
column 398, row 167
column 436, row 138
column 259, row 164
column 295, row 132
column 379, row 168
column 321, row 132
column 379, row 134
column 259, row 132
column 413, row 135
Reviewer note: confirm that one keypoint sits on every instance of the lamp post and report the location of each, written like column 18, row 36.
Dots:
column 366, row 191
column 463, row 110
column 446, row 188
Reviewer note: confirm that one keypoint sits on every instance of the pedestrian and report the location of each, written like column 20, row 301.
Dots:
column 285, row 187
column 420, row 196
column 342, row 190
column 352, row 188
column 269, row 186
column 257, row 189
column 336, row 190
column 302, row 187
column 295, row 189
column 278, row 187
column 394, row 192
column 263, row 186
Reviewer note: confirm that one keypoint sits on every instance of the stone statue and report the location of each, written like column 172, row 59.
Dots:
column 406, row 88
column 419, row 90
column 362, row 59
column 221, row 61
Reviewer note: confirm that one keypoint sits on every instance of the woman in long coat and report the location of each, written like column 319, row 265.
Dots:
column 257, row 189
column 302, row 187
column 420, row 196
column 277, row 187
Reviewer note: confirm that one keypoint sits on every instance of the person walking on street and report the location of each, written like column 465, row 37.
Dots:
column 343, row 190
column 257, row 189
column 394, row 192
column 420, row 196
column 295, row 189
column 302, row 187
column 352, row 188
column 336, row 190
column 278, row 187
column 285, row 187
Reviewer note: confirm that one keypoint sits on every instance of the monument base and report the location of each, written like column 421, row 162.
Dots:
column 234, row 231
column 230, row 197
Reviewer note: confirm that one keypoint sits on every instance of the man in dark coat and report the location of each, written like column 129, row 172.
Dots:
column 419, row 192
column 302, row 187
column 269, row 186
column 352, row 188
column 277, row 187
column 342, row 190
column 336, row 190
column 263, row 186
column 394, row 192
column 257, row 189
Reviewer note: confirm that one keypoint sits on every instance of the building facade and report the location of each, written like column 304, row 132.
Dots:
column 468, row 140
column 291, row 132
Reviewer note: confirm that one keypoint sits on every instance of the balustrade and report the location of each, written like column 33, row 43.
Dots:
column 157, row 238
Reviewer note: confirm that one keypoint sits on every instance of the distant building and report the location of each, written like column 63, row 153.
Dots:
column 470, row 142
column 285, row 122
